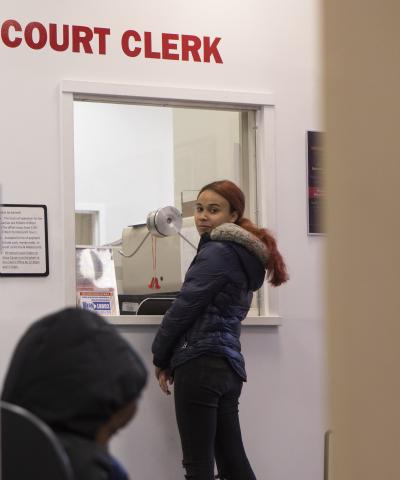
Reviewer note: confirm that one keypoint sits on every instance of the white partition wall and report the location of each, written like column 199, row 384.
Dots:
column 267, row 48
column 118, row 149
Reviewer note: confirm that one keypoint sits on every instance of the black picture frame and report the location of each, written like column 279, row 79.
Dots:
column 22, row 270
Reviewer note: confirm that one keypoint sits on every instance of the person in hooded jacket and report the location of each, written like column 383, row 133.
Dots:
column 75, row 372
column 197, row 346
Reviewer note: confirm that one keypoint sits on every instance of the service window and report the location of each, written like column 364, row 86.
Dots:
column 136, row 159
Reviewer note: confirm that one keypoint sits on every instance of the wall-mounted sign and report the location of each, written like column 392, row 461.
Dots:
column 94, row 40
column 315, row 182
column 23, row 240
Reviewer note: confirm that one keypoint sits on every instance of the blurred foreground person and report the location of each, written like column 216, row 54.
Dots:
column 75, row 372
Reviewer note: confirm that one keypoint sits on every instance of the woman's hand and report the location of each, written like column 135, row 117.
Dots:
column 164, row 378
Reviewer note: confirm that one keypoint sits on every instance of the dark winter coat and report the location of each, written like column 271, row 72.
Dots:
column 73, row 370
column 205, row 318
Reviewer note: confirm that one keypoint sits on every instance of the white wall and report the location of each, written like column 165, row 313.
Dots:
column 206, row 148
column 123, row 160
column 267, row 46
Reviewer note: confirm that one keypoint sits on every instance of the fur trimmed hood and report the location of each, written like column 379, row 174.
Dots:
column 230, row 232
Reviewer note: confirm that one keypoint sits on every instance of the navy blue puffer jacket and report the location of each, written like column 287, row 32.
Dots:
column 206, row 316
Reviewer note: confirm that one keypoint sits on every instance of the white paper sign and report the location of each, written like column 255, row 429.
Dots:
column 23, row 240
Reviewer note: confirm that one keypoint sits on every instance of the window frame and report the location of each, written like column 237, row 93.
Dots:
column 263, row 103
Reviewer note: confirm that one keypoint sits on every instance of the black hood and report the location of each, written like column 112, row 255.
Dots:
column 74, row 370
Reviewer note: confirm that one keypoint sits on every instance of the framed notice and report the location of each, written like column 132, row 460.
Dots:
column 23, row 240
column 315, row 182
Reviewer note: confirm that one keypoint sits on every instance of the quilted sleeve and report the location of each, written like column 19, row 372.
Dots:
column 204, row 279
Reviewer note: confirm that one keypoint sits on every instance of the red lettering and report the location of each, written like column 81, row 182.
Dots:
column 5, row 33
column 167, row 46
column 191, row 44
column 53, row 38
column 148, row 52
column 28, row 34
column 81, row 36
column 212, row 50
column 125, row 43
column 102, row 32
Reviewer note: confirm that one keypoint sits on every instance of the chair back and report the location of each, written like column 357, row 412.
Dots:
column 29, row 448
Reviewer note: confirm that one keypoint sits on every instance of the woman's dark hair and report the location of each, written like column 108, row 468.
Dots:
column 276, row 268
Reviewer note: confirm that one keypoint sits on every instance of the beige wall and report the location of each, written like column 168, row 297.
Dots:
column 362, row 71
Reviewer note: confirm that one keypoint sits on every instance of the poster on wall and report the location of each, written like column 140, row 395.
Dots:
column 315, row 182
column 23, row 240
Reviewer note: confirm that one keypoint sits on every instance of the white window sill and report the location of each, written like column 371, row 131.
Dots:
column 271, row 320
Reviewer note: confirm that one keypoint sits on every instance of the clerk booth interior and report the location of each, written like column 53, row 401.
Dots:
column 118, row 148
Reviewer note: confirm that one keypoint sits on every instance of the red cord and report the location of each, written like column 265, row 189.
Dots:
column 154, row 284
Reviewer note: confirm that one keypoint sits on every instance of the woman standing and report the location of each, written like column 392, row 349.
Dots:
column 197, row 345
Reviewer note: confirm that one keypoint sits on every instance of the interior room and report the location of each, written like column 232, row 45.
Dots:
column 109, row 120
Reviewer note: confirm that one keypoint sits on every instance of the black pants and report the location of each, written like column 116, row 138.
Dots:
column 207, row 394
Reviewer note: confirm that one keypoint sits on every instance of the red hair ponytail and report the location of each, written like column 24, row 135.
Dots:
column 276, row 268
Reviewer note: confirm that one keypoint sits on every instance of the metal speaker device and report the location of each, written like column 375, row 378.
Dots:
column 164, row 222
